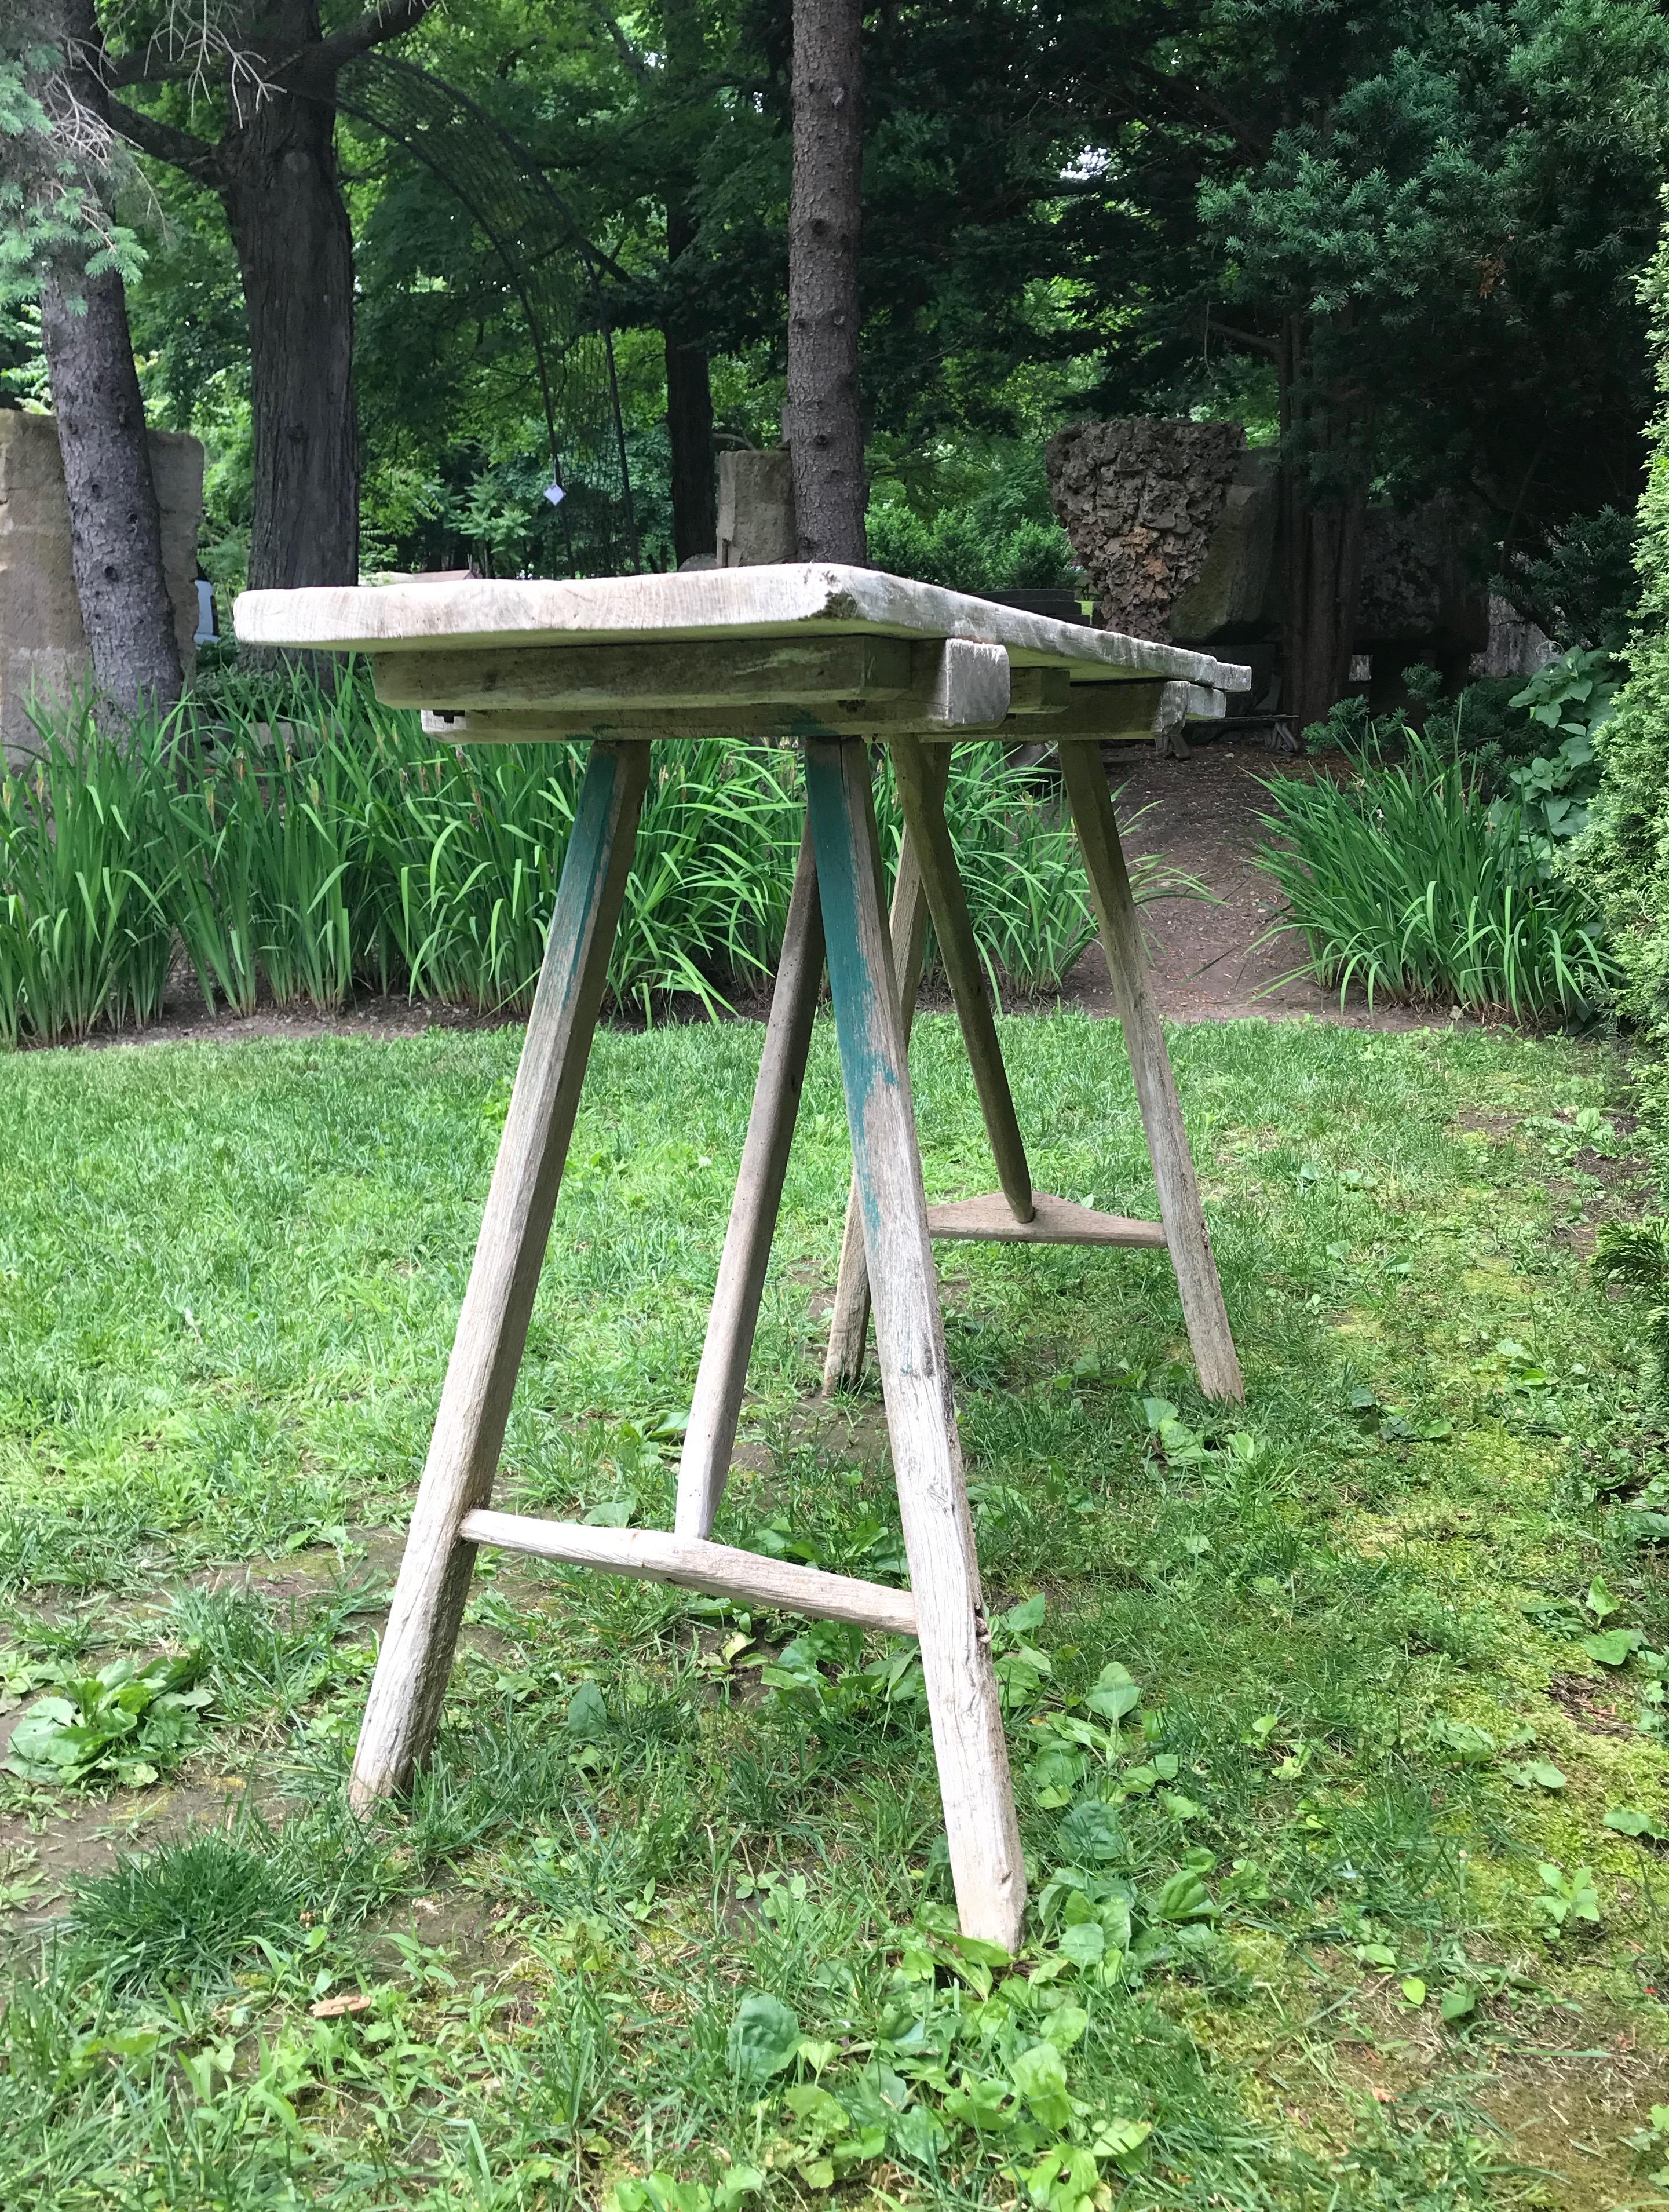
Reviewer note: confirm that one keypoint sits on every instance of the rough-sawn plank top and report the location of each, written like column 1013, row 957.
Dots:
column 786, row 601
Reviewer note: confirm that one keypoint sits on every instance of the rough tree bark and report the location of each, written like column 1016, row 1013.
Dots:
column 689, row 419
column 278, row 184
column 821, row 424
column 688, row 385
column 1324, row 522
column 1322, row 542
column 274, row 167
column 115, row 525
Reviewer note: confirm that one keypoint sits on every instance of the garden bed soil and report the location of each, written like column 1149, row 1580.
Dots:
column 1214, row 959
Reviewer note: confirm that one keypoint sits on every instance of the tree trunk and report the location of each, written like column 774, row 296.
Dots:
column 1323, row 520
column 822, row 425
column 1323, row 540
column 689, row 421
column 278, row 182
column 115, row 526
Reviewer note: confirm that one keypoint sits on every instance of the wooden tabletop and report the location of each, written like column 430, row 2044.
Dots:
column 703, row 604
column 744, row 653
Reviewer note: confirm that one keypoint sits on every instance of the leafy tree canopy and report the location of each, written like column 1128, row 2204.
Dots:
column 1405, row 235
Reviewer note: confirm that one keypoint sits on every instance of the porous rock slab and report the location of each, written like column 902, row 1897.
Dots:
column 1141, row 501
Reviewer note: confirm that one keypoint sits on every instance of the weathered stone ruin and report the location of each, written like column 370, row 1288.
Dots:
column 1142, row 501
column 43, row 647
column 1178, row 527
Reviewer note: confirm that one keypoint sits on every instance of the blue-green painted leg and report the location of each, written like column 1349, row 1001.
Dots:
column 406, row 1692
column 986, row 1861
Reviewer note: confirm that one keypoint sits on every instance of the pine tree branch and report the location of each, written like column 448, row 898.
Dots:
column 1270, row 348
column 622, row 45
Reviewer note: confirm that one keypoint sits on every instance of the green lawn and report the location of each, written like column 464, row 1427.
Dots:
column 1327, row 1917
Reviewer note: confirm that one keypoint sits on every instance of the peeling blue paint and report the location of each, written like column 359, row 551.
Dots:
column 586, row 863
column 866, row 1062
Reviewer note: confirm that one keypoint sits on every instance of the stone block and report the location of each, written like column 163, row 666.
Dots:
column 1236, row 592
column 1516, row 647
column 43, row 647
column 1179, row 526
column 756, row 525
column 1417, row 593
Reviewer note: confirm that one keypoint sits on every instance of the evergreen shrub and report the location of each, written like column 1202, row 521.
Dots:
column 1621, row 860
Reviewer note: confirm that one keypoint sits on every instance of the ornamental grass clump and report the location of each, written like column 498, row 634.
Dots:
column 185, row 1914
column 85, row 933
column 286, row 842
column 1401, row 884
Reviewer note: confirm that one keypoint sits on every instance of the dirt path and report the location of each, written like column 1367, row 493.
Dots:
column 1214, row 959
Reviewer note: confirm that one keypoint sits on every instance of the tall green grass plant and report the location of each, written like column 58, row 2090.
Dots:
column 307, row 845
column 1401, row 884
column 85, row 928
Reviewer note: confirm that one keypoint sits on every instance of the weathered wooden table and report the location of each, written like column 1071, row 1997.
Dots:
column 836, row 658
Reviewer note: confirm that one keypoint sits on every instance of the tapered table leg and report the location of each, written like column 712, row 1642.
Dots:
column 848, row 1320
column 723, row 1375
column 921, row 796
column 1189, row 1243
column 404, row 1707
column 985, row 1860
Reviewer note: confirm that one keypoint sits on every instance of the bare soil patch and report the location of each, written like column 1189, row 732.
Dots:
column 1588, row 1706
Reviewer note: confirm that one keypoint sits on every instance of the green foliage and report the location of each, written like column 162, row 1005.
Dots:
column 953, row 550
column 1622, row 863
column 968, row 2072
column 1019, row 863
column 970, row 513
column 1401, row 884
column 1634, row 1253
column 85, row 932
column 764, row 2037
column 1528, row 749
column 23, row 378
column 1572, row 696
column 1419, row 196
column 58, row 175
column 1488, row 728
column 1635, row 1256
column 1566, row 1903
column 1583, row 589
column 186, row 1912
column 1571, row 699
column 306, row 846
column 124, row 1723
column 958, row 547
column 1650, row 2143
